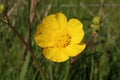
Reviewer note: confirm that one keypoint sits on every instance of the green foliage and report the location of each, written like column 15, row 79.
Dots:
column 25, row 67
column 100, row 60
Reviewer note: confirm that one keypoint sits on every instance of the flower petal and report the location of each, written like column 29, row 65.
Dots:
column 43, row 41
column 51, row 22
column 62, row 20
column 74, row 49
column 55, row 54
column 42, row 36
column 75, row 29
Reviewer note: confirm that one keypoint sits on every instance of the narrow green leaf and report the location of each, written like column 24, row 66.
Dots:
column 24, row 67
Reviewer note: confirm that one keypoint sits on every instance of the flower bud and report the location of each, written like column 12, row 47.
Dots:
column 2, row 8
column 97, row 20
column 95, row 27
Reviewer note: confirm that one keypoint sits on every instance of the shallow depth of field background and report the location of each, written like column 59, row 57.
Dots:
column 100, row 60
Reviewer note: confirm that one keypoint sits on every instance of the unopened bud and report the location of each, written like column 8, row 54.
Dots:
column 95, row 27
column 2, row 8
column 97, row 20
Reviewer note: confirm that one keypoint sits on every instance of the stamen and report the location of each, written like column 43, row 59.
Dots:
column 64, row 41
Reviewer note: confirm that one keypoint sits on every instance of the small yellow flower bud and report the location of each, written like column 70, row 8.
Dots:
column 95, row 27
column 97, row 20
column 2, row 8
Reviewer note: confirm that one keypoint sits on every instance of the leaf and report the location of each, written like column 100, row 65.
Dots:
column 24, row 67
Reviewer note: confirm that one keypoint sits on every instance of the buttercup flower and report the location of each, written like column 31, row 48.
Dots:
column 59, row 38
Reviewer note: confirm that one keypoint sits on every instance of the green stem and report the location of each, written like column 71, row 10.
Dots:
column 92, row 69
column 67, row 71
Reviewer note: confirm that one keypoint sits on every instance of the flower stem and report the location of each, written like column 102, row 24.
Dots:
column 91, row 37
column 67, row 75
column 28, row 48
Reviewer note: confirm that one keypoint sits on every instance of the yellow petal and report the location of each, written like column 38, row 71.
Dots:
column 75, row 29
column 44, row 28
column 42, row 36
column 55, row 54
column 62, row 20
column 43, row 41
column 51, row 22
column 74, row 49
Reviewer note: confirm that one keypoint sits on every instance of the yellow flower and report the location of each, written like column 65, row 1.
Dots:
column 60, row 39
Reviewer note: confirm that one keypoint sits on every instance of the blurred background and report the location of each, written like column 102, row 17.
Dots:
column 100, row 60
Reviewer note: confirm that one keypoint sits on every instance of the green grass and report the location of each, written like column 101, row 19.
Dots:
column 100, row 60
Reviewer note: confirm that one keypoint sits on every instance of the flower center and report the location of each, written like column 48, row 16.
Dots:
column 63, row 40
